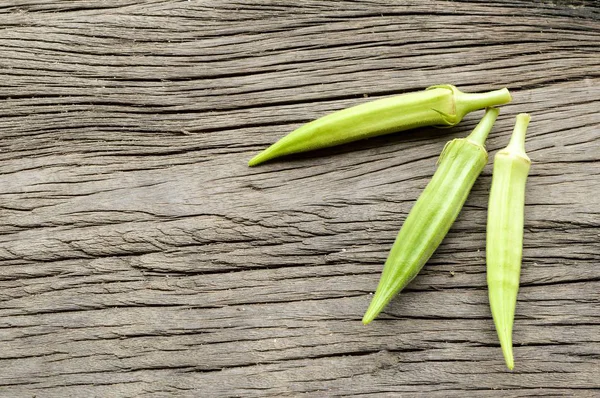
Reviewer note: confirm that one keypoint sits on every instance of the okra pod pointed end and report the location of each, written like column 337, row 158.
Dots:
column 262, row 157
column 510, row 364
column 507, row 351
column 370, row 314
column 378, row 303
column 256, row 160
column 285, row 146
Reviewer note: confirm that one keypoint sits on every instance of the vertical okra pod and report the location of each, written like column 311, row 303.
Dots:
column 460, row 163
column 504, row 247
column 442, row 105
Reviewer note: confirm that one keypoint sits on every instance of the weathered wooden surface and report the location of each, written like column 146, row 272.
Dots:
column 140, row 256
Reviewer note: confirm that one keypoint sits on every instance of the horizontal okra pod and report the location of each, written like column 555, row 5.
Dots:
column 504, row 247
column 442, row 105
column 428, row 222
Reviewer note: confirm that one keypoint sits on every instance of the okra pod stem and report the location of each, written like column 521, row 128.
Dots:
column 428, row 222
column 442, row 105
column 504, row 247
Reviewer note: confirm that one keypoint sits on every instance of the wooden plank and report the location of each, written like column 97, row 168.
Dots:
column 140, row 256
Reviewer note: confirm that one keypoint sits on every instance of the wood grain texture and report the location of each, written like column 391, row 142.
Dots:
column 141, row 257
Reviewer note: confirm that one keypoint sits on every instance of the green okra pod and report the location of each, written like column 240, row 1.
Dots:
column 504, row 246
column 441, row 105
column 428, row 222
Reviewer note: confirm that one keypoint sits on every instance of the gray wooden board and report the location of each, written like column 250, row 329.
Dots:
column 141, row 257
